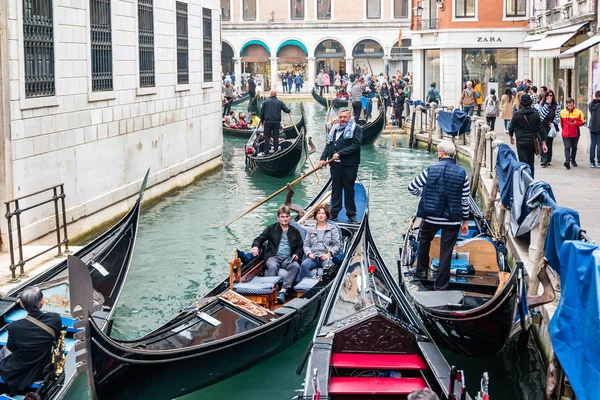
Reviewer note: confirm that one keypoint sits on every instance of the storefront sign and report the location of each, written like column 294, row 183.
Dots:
column 369, row 50
column 330, row 51
column 491, row 39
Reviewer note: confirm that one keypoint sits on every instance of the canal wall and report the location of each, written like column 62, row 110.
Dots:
column 96, row 132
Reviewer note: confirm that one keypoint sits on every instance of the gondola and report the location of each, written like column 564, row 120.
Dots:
column 288, row 160
column 107, row 260
column 336, row 104
column 369, row 343
column 240, row 99
column 476, row 314
column 289, row 131
column 372, row 130
column 255, row 104
column 232, row 328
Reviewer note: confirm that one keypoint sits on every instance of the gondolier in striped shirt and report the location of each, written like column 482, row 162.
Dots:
column 444, row 190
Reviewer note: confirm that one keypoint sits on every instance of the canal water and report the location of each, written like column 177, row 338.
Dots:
column 182, row 251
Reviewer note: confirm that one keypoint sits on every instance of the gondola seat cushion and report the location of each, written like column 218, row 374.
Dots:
column 259, row 285
column 305, row 285
column 69, row 343
column 460, row 267
column 34, row 386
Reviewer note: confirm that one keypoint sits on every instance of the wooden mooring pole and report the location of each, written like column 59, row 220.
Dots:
column 478, row 159
column 491, row 205
column 534, row 282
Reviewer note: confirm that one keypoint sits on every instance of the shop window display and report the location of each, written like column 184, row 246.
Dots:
column 495, row 68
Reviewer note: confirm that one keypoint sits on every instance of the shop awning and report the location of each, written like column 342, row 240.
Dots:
column 567, row 58
column 549, row 46
column 293, row 42
column 257, row 42
column 531, row 40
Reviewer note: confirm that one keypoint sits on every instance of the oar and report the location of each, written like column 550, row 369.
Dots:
column 382, row 104
column 277, row 192
column 308, row 155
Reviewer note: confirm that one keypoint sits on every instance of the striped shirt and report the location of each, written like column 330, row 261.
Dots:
column 416, row 188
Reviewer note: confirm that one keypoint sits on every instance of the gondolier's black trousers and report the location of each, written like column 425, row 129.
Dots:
column 448, row 240
column 343, row 177
column 356, row 109
column 227, row 106
column 272, row 132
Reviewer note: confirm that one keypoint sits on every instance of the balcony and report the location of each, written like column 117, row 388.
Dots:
column 427, row 24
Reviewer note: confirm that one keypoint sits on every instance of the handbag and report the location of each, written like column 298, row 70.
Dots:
column 552, row 132
column 536, row 145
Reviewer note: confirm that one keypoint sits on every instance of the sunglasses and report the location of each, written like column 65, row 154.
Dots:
column 549, row 95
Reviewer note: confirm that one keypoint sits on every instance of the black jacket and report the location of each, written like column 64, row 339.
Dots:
column 271, row 110
column 595, row 116
column 272, row 235
column 31, row 348
column 348, row 149
column 251, row 85
column 519, row 127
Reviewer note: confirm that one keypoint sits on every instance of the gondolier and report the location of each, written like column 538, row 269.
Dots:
column 444, row 190
column 270, row 117
column 343, row 146
column 229, row 94
column 252, row 87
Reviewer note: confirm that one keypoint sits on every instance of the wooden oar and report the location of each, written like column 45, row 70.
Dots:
column 308, row 155
column 260, row 203
column 382, row 104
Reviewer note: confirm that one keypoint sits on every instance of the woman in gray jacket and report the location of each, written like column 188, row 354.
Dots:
column 322, row 242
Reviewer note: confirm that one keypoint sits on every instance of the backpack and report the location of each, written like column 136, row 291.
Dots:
column 491, row 106
column 431, row 97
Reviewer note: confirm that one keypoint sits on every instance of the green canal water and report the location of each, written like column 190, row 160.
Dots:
column 182, row 252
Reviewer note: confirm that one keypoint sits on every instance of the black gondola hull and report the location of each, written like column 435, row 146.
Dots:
column 373, row 129
column 335, row 103
column 289, row 131
column 241, row 98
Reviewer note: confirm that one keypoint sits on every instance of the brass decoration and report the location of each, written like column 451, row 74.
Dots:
column 243, row 303
column 235, row 270
column 58, row 354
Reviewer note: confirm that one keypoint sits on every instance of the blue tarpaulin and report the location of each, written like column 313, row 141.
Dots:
column 575, row 326
column 454, row 123
column 564, row 225
column 506, row 164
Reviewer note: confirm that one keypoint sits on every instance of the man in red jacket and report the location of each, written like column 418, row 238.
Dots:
column 571, row 118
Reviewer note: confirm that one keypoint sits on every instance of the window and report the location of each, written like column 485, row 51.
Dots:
column 207, row 40
column 465, row 8
column 515, row 8
column 323, row 9
column 400, row 8
column 373, row 8
column 182, row 43
column 297, row 9
column 38, row 41
column 226, row 10
column 249, row 10
column 146, row 42
column 101, row 43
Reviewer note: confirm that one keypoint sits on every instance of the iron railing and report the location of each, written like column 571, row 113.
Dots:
column 38, row 43
column 58, row 195
column 101, row 43
column 207, row 42
column 182, row 43
column 428, row 24
column 146, row 42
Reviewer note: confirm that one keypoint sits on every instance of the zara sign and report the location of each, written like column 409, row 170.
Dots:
column 491, row 39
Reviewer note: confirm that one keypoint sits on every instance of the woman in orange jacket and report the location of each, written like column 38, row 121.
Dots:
column 478, row 94
column 571, row 119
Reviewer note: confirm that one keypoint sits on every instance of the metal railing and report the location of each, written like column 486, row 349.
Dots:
column 58, row 195
column 428, row 24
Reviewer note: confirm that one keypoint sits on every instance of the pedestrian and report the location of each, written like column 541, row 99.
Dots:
column 232, row 77
column 284, row 82
column 533, row 93
column 468, row 99
column 508, row 102
column 251, row 87
column 290, row 81
column 549, row 111
column 526, row 127
column 326, row 82
column 433, row 94
column 542, row 94
column 343, row 147
column 491, row 109
column 337, row 81
column 594, row 126
column 243, row 80
column 384, row 92
column 444, row 190
column 571, row 118
column 478, row 94
column 356, row 96
column 283, row 250
column 407, row 92
column 319, row 83
column 298, row 82
column 399, row 100
column 229, row 94
column 270, row 118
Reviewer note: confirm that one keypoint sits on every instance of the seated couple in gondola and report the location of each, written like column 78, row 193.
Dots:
column 241, row 122
column 321, row 244
column 285, row 248
column 259, row 144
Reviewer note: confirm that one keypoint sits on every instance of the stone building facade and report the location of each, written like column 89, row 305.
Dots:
column 267, row 38
column 95, row 92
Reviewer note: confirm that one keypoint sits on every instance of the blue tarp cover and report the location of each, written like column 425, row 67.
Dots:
column 575, row 326
column 454, row 123
column 564, row 225
column 506, row 164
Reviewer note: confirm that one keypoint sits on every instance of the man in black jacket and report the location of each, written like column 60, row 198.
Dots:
column 29, row 346
column 595, row 131
column 251, row 87
column 270, row 117
column 284, row 249
column 343, row 147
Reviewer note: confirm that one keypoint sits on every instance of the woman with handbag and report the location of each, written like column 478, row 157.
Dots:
column 526, row 127
column 549, row 111
column 478, row 94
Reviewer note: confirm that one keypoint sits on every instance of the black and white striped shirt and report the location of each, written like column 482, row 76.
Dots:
column 416, row 188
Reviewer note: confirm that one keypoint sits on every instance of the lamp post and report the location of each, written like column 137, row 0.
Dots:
column 418, row 13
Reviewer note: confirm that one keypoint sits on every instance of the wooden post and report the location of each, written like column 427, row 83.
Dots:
column 501, row 219
column 554, row 378
column 491, row 205
column 430, row 131
column 476, row 134
column 477, row 168
column 534, row 282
